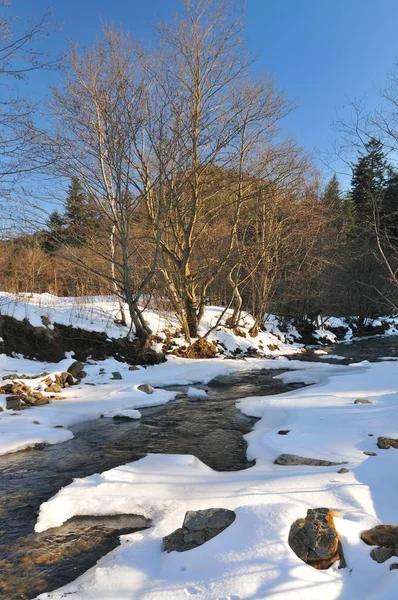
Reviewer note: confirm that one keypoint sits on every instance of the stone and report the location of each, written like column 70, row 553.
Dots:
column 13, row 402
column 381, row 554
column 385, row 443
column 294, row 460
column 54, row 387
column 41, row 401
column 116, row 375
column 76, row 369
column 368, row 453
column 283, row 431
column 315, row 540
column 220, row 380
column 362, row 401
column 133, row 368
column 343, row 471
column 146, row 388
column 66, row 378
column 381, row 535
column 198, row 527
column 393, row 566
column 90, row 383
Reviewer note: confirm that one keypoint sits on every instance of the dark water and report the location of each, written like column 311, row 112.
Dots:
column 212, row 430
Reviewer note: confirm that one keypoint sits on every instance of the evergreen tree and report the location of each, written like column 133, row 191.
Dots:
column 332, row 193
column 54, row 237
column 389, row 209
column 77, row 213
column 369, row 180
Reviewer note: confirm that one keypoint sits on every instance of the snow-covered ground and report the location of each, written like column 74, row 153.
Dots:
column 99, row 313
column 252, row 559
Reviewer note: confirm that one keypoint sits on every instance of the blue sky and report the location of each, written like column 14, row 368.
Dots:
column 322, row 53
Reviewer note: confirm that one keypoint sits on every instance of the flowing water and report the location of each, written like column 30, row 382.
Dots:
column 212, row 430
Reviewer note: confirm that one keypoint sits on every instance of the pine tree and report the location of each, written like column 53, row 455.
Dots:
column 369, row 180
column 54, row 237
column 332, row 194
column 77, row 213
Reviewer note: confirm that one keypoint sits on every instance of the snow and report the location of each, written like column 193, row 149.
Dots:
column 252, row 559
column 98, row 313
column 196, row 393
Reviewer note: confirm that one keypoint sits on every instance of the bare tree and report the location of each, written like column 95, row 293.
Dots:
column 99, row 137
column 217, row 120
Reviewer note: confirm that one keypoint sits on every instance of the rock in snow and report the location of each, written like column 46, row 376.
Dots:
column 198, row 527
column 315, row 539
column 385, row 443
column 146, row 388
column 294, row 460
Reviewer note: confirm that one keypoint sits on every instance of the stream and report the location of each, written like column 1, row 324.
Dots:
column 212, row 430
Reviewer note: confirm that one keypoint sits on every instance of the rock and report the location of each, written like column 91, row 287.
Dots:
column 198, row 527
column 294, row 460
column 343, row 471
column 381, row 554
column 66, row 378
column 116, row 375
column 220, row 380
column 41, row 401
column 54, row 387
column 76, row 370
column 284, row 431
column 90, row 383
column 368, row 453
column 385, row 443
column 315, row 539
column 13, row 402
column 362, row 401
column 146, row 388
column 133, row 368
column 381, row 535
column 393, row 566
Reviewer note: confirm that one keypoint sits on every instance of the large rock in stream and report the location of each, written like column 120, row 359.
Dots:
column 198, row 527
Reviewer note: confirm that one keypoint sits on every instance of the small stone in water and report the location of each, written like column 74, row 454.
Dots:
column 370, row 453
column 283, row 431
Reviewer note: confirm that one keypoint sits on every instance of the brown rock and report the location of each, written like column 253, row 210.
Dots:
column 362, row 401
column 385, row 443
column 367, row 453
column 315, row 539
column 381, row 535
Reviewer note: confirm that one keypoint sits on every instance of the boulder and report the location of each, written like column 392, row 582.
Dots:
column 343, row 471
column 133, row 368
column 381, row 535
column 13, row 402
column 76, row 369
column 294, row 460
column 220, row 380
column 362, row 401
column 146, row 388
column 116, row 375
column 198, row 527
column 385, row 443
column 315, row 540
column 283, row 431
column 369, row 453
column 381, row 554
